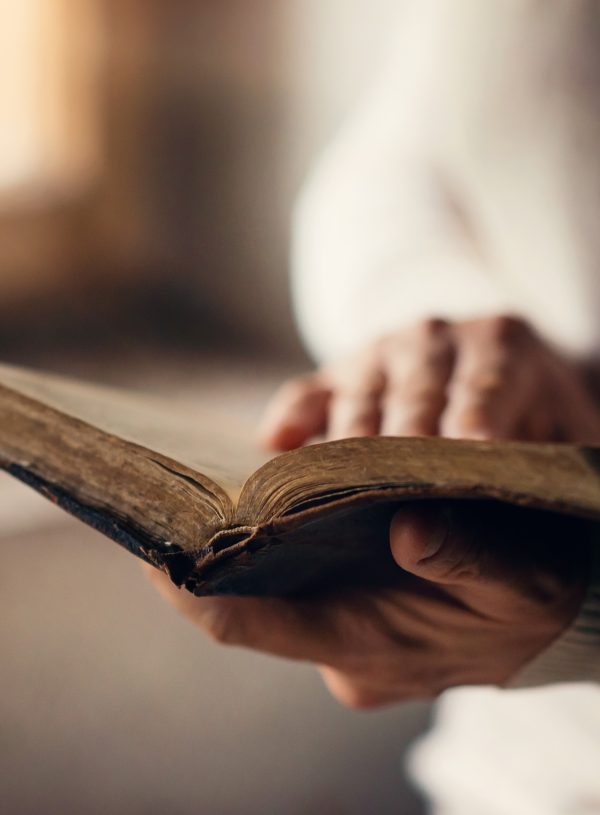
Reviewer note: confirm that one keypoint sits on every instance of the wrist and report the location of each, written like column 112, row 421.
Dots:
column 573, row 655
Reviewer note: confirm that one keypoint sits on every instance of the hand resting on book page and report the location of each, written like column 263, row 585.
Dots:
column 487, row 589
column 490, row 378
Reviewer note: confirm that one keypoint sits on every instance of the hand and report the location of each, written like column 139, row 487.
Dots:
column 488, row 587
column 480, row 379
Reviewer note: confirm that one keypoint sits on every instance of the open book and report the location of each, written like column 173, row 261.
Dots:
column 196, row 498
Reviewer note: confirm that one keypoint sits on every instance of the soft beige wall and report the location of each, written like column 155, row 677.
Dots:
column 217, row 112
column 196, row 122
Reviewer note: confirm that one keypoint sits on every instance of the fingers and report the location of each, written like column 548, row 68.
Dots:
column 418, row 368
column 397, row 388
column 458, row 547
column 493, row 558
column 492, row 382
column 578, row 419
column 297, row 412
column 337, row 633
column 354, row 408
column 453, row 546
column 477, row 379
column 332, row 632
column 420, row 544
column 284, row 628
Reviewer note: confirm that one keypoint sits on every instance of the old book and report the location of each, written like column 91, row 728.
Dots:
column 197, row 499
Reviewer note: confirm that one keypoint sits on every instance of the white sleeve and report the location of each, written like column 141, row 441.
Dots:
column 575, row 655
column 378, row 240
column 468, row 183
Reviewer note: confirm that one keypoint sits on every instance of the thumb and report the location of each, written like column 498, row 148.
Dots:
column 425, row 542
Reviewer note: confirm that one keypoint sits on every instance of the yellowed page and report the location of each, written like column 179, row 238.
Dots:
column 562, row 477
column 219, row 448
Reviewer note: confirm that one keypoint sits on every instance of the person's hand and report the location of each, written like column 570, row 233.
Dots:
column 479, row 379
column 487, row 588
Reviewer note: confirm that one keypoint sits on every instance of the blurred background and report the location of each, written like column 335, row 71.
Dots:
column 150, row 153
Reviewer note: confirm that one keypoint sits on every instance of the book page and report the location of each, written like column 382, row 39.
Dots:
column 220, row 449
column 560, row 477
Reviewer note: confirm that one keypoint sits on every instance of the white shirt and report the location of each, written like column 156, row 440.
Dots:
column 467, row 183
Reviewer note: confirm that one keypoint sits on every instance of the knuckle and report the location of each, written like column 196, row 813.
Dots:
column 416, row 392
column 437, row 361
column 484, row 387
column 360, row 396
column 431, row 328
column 365, row 361
column 297, row 389
column 364, row 390
column 421, row 333
column 507, row 329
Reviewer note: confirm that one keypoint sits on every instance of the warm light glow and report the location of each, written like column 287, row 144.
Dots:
column 49, row 66
column 21, row 61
